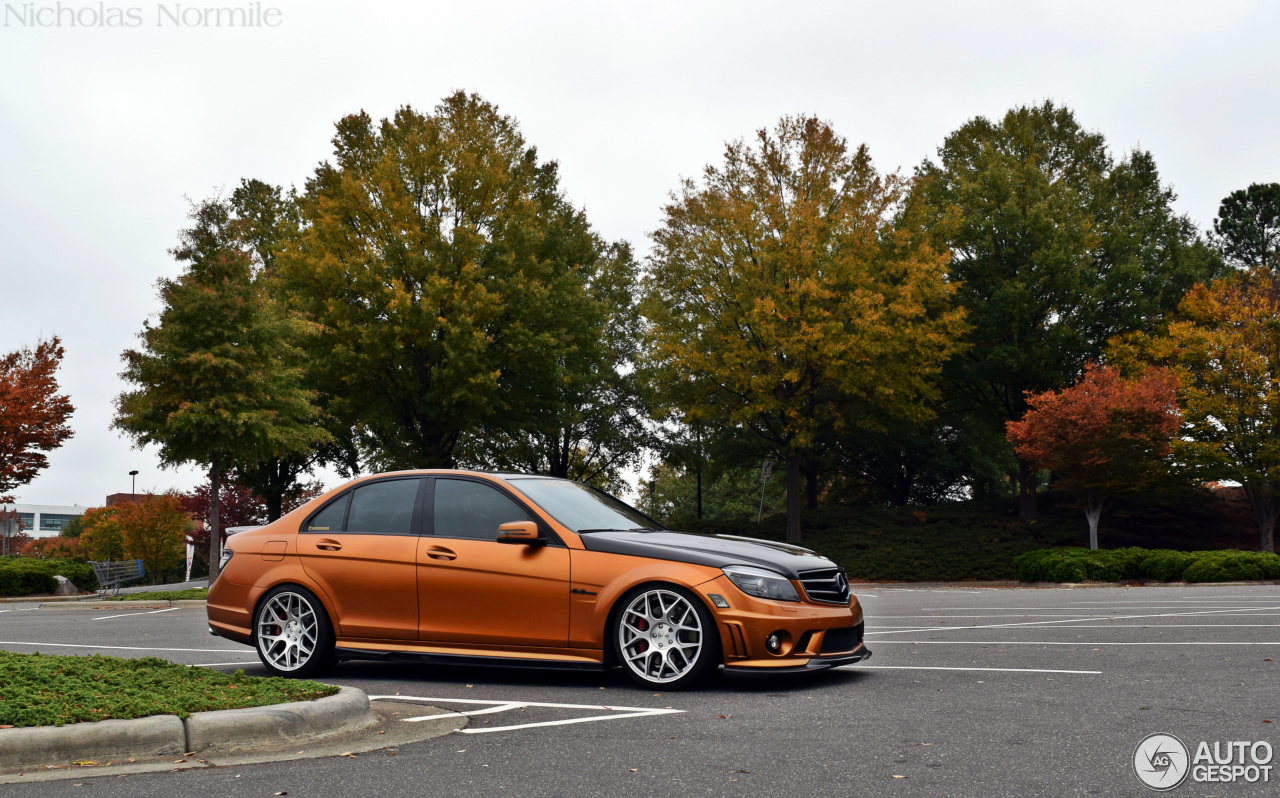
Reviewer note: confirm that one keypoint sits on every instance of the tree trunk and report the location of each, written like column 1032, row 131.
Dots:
column 811, row 483
column 1027, row 507
column 274, row 502
column 215, row 530
column 1093, row 511
column 793, row 499
column 1265, row 508
column 699, row 476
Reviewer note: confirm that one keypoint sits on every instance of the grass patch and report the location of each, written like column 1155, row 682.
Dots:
column 200, row 593
column 1161, row 565
column 54, row 690
column 23, row 576
column 977, row 540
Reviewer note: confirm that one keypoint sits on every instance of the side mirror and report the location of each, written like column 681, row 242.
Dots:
column 519, row 532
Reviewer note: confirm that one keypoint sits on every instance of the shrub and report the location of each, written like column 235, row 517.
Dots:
column 22, row 576
column 1114, row 565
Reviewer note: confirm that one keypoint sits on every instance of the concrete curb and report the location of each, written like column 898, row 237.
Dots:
column 156, row 736
column 166, row 736
column 243, row 729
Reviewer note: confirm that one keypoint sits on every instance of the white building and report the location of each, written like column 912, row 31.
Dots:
column 44, row 520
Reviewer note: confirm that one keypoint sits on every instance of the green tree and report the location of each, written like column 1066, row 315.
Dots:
column 448, row 276
column 269, row 218
column 219, row 378
column 594, row 429
column 780, row 296
column 1247, row 230
column 73, row 528
column 1056, row 248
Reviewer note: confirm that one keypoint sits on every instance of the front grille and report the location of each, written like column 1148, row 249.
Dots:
column 829, row 585
column 844, row 639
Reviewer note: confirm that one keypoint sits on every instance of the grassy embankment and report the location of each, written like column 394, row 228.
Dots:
column 53, row 690
column 199, row 593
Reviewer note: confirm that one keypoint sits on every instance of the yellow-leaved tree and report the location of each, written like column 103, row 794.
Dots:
column 1224, row 345
column 782, row 300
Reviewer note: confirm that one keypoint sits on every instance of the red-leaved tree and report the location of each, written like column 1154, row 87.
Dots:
column 1103, row 436
column 33, row 415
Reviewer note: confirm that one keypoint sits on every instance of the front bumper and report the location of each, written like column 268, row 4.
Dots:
column 814, row 635
column 813, row 664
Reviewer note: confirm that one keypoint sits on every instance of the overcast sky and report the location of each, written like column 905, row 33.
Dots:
column 105, row 130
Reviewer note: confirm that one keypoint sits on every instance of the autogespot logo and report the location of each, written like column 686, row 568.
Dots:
column 1160, row 761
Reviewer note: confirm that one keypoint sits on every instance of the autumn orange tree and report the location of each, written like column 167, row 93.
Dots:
column 153, row 530
column 33, row 415
column 102, row 538
column 782, row 302
column 1103, row 436
column 1224, row 346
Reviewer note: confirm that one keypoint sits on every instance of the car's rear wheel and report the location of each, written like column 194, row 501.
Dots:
column 664, row 636
column 292, row 632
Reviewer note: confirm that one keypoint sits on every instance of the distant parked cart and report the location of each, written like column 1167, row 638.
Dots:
column 111, row 575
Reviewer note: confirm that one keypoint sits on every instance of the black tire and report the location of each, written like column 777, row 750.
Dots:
column 657, row 649
column 302, row 640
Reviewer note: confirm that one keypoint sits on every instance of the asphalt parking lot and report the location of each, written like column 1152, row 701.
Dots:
column 970, row 692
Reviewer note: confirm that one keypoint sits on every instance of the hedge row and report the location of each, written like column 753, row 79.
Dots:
column 22, row 576
column 1162, row 565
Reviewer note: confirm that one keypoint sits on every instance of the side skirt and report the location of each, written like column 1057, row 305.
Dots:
column 344, row 653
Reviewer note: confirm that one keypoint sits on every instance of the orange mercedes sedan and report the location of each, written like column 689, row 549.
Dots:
column 457, row 567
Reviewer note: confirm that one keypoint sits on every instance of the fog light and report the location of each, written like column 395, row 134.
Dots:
column 774, row 643
column 718, row 601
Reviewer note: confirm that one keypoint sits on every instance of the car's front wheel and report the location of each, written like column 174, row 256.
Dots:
column 293, row 633
column 665, row 637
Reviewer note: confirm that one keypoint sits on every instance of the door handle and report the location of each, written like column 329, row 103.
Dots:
column 441, row 553
column 325, row 544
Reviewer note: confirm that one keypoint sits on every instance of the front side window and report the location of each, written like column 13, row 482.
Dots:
column 465, row 509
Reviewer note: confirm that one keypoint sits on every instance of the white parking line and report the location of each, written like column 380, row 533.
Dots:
column 1078, row 644
column 1068, row 620
column 504, row 706
column 131, row 614
column 1159, row 605
column 118, row 648
column 943, row 668
column 221, row 664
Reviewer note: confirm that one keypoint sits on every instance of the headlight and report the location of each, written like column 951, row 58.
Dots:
column 761, row 583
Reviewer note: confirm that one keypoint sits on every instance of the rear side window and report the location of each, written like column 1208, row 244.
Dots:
column 379, row 508
column 465, row 509
column 383, row 508
column 331, row 517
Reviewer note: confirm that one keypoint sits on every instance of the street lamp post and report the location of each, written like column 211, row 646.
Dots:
column 133, row 491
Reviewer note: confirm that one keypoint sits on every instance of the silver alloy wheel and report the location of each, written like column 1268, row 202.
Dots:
column 660, row 636
column 288, row 631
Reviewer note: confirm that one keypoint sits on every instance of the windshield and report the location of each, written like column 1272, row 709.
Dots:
column 583, row 509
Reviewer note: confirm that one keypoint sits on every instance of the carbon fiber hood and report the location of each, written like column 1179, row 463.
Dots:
column 716, row 552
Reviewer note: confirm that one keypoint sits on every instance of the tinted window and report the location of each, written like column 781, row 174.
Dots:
column 330, row 518
column 383, row 508
column 582, row 508
column 467, row 509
